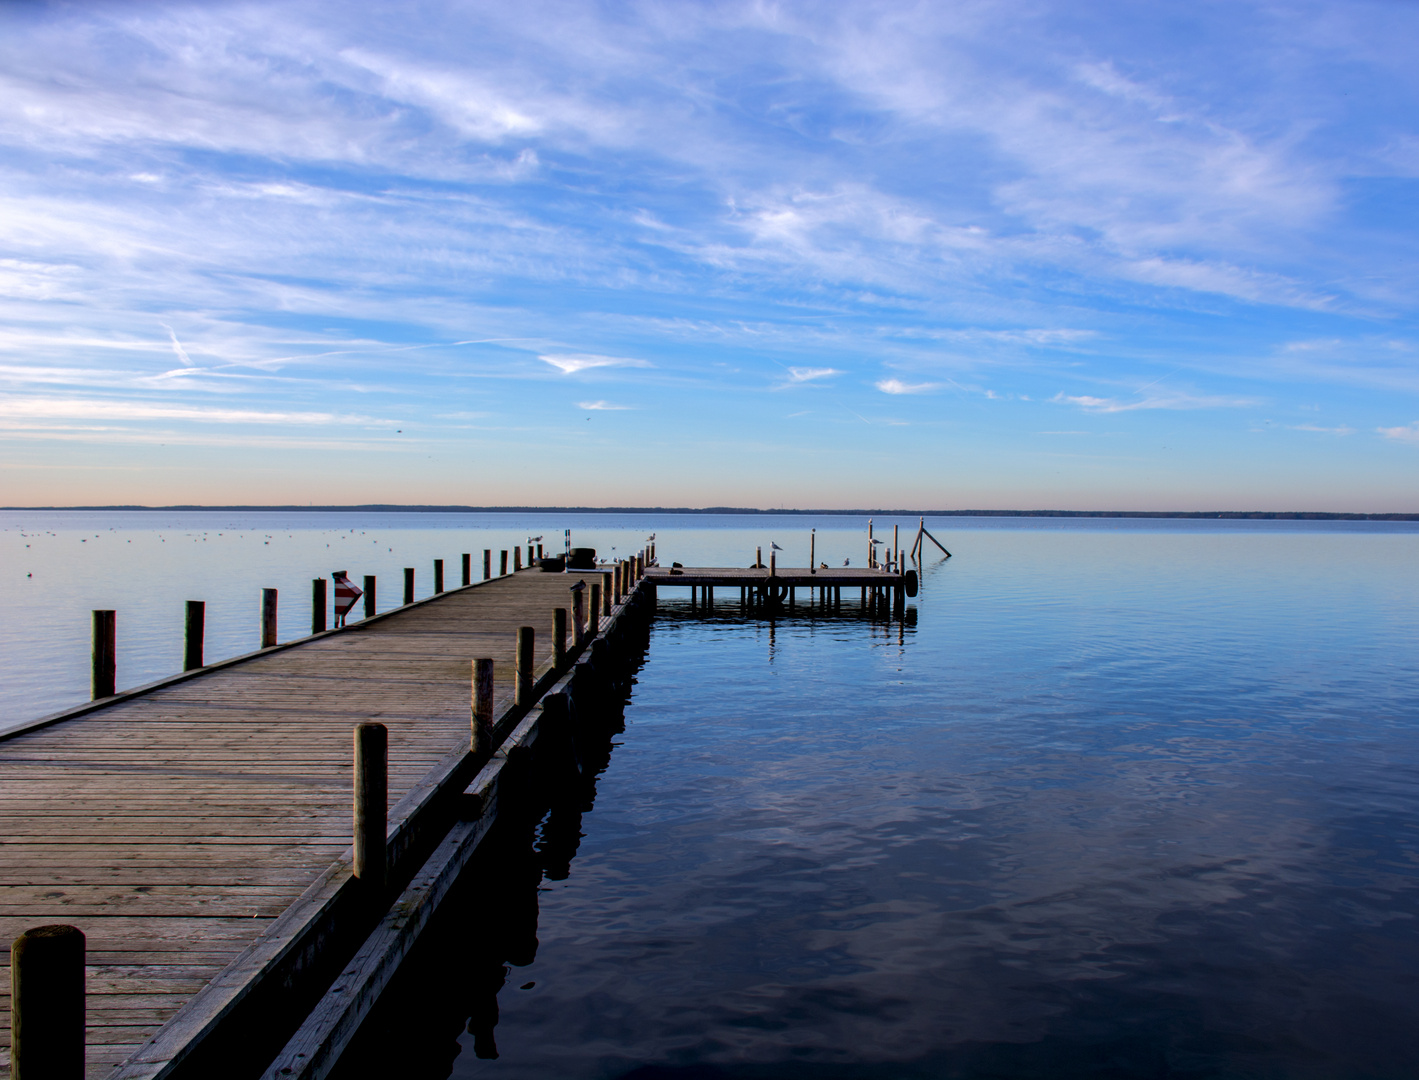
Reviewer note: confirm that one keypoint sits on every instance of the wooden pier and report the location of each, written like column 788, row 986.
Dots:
column 198, row 831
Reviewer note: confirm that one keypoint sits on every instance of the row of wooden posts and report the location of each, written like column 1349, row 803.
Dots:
column 47, row 990
column 104, row 680
column 820, row 597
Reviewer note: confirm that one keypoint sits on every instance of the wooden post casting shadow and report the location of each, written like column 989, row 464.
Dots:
column 268, row 618
column 371, row 803
column 408, row 584
column 47, row 1004
column 103, row 682
column 487, row 564
column 467, row 568
column 481, row 735
column 438, row 575
column 502, row 565
column 317, row 605
column 525, row 642
column 369, row 596
column 193, row 634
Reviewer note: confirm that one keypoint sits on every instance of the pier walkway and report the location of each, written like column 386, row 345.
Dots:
column 177, row 826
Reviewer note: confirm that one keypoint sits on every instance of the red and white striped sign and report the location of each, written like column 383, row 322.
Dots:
column 346, row 593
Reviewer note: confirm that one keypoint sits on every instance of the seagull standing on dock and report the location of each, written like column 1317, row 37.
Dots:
column 846, row 561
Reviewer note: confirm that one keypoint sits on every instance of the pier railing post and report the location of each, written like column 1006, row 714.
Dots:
column 370, row 606
column 502, row 565
column 438, row 575
column 193, row 634
column 47, row 1004
column 468, row 568
column 577, row 590
column 559, row 637
column 616, row 582
column 606, row 593
column 317, row 605
column 268, row 618
column 487, row 564
column 526, row 640
column 481, row 721
column 517, row 558
column 813, row 551
column 593, row 622
column 371, row 803
column 103, row 682
column 408, row 584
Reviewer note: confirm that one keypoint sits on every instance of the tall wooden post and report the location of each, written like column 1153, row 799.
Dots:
column 487, row 564
column 526, row 639
column 467, row 568
column 502, row 565
column 408, row 584
column 268, row 618
column 517, row 558
column 438, row 575
column 606, row 593
column 577, row 590
column 103, row 682
column 871, row 551
column 370, row 606
column 593, row 622
column 481, row 716
column 193, row 634
column 371, row 803
column 616, row 582
column 559, row 637
column 317, row 605
column 813, row 551
column 896, row 549
column 47, row 1004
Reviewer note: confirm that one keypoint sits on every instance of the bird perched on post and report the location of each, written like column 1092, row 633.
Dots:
column 774, row 546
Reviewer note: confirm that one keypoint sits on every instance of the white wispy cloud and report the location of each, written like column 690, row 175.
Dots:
column 571, row 364
column 811, row 374
column 1341, row 430
column 896, row 386
column 601, row 406
column 1153, row 401
column 1406, row 433
column 26, row 408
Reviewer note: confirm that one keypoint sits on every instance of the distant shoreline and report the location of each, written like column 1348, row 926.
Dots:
column 388, row 508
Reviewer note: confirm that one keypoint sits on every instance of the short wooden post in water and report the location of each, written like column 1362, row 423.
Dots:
column 268, row 618
column 773, row 563
column 317, row 605
column 480, row 738
column 526, row 639
column 467, row 568
column 594, row 614
column 759, row 558
column 559, row 637
column 517, row 558
column 502, row 565
column 369, row 596
column 103, row 682
column 438, row 575
column 47, row 1004
column 371, row 803
column 487, row 564
column 193, row 634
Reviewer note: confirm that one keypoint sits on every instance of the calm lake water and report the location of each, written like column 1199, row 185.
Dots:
column 1121, row 799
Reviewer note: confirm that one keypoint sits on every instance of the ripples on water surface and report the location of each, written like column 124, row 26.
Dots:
column 1129, row 799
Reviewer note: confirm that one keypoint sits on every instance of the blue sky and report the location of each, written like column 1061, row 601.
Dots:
column 1069, row 255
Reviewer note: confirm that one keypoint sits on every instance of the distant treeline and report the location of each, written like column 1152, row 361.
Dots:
column 393, row 508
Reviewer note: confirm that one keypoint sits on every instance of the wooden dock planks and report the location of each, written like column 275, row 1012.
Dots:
column 174, row 827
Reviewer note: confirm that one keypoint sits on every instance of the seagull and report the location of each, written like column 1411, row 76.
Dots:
column 846, row 561
column 876, row 541
column 774, row 546
column 533, row 539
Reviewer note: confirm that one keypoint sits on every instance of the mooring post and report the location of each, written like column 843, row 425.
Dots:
column 408, row 584
column 525, row 641
column 594, row 613
column 502, row 565
column 813, row 551
column 559, row 637
column 47, row 1004
column 193, row 634
column 268, row 618
column 896, row 549
column 467, row 560
column 606, row 593
column 369, row 596
column 371, row 803
column 517, row 558
column 773, row 563
column 759, row 557
column 616, row 582
column 530, row 563
column 480, row 740
column 317, row 605
column 576, row 612
column 438, row 575
column 487, row 564
column 871, row 554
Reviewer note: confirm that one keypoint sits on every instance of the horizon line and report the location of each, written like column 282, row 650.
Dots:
column 427, row 508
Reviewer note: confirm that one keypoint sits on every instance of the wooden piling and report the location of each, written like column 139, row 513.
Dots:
column 502, row 565
column 517, row 558
column 813, row 551
column 371, row 804
column 530, row 563
column 467, row 568
column 480, row 736
column 616, row 582
column 438, row 575
column 193, row 633
column 370, row 606
column 487, row 564
column 593, row 626
column 576, row 591
column 758, row 557
column 606, row 593
column 709, row 597
column 408, row 585
column 268, row 618
column 317, row 605
column 526, row 638
column 47, row 1004
column 871, row 551
column 559, row 637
